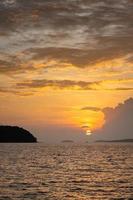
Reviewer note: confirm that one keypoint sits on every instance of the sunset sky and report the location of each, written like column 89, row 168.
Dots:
column 62, row 62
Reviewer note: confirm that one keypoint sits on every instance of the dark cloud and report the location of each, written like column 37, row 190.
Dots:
column 84, row 127
column 66, row 14
column 118, row 122
column 59, row 84
column 68, row 84
column 126, row 88
column 81, row 32
column 5, row 90
column 12, row 65
column 14, row 92
column 96, row 109
column 22, row 87
column 7, row 67
column 130, row 58
column 84, row 57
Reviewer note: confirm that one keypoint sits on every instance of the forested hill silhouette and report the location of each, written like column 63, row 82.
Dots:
column 14, row 134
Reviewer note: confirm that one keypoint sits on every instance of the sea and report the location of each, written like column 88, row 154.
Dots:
column 66, row 171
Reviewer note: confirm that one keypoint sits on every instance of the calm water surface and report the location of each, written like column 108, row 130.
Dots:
column 66, row 172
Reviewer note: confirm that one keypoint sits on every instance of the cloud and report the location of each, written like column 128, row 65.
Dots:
column 65, row 34
column 126, row 88
column 82, row 57
column 84, row 127
column 96, row 109
column 5, row 90
column 59, row 84
column 67, row 14
column 72, row 84
column 118, row 122
column 10, row 65
column 83, row 33
column 30, row 87
column 14, row 92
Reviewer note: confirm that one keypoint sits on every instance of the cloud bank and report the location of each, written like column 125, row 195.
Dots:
column 70, row 84
column 118, row 122
column 80, row 32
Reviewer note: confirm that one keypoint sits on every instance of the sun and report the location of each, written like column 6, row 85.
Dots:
column 88, row 132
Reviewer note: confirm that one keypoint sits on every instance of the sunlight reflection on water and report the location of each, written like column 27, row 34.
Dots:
column 66, row 172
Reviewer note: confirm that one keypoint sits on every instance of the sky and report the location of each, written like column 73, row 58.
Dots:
column 62, row 63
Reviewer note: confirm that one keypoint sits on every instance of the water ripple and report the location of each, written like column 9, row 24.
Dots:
column 60, row 172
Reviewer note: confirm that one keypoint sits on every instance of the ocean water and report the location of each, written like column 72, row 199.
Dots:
column 66, row 172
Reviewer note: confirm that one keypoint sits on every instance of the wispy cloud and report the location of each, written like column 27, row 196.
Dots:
column 59, row 84
column 71, row 84
column 91, row 108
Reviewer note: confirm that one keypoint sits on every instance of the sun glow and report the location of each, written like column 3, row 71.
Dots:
column 88, row 132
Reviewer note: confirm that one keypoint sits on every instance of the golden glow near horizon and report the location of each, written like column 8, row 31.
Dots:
column 88, row 132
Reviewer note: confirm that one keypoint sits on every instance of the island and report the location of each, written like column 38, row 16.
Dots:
column 14, row 134
column 67, row 141
column 122, row 140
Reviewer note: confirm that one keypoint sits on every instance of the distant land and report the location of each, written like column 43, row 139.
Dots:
column 67, row 141
column 14, row 134
column 123, row 140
